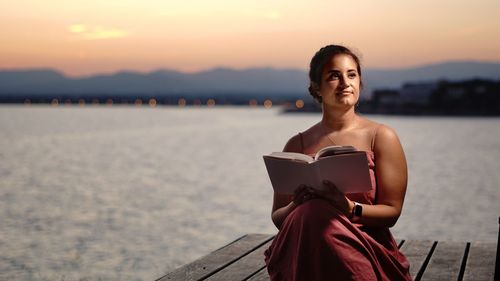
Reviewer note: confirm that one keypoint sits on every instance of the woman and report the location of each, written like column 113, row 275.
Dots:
column 328, row 235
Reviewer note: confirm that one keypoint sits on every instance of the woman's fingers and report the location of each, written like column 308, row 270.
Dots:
column 298, row 193
column 335, row 196
column 331, row 193
column 330, row 185
column 302, row 194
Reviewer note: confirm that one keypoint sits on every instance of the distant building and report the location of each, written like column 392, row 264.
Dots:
column 386, row 97
column 477, row 96
column 418, row 93
column 466, row 97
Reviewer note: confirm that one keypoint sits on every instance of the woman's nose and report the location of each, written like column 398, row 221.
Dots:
column 343, row 82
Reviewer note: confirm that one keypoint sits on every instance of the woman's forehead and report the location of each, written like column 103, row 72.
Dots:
column 340, row 62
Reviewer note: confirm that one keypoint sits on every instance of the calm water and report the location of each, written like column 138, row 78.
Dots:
column 129, row 193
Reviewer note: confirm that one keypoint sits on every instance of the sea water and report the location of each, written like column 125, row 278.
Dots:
column 130, row 193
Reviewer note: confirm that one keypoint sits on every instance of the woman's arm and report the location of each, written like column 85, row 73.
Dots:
column 392, row 177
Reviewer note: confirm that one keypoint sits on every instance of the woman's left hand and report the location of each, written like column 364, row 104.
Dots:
column 333, row 195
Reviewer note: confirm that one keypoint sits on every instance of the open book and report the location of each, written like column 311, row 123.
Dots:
column 344, row 166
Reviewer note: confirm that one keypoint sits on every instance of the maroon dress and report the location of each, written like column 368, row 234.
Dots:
column 318, row 242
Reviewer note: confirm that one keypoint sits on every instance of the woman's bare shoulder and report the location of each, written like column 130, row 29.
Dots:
column 376, row 128
column 368, row 124
column 386, row 139
column 385, row 133
column 381, row 135
column 296, row 142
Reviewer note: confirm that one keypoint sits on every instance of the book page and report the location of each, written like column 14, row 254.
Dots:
column 292, row 156
column 334, row 150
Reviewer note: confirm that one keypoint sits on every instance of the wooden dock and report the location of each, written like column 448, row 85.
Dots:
column 243, row 259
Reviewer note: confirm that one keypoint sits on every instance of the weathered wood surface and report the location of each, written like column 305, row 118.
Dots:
column 429, row 260
column 478, row 267
column 244, row 267
column 417, row 253
column 262, row 275
column 219, row 259
column 445, row 262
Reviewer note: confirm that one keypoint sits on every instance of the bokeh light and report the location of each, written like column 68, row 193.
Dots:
column 299, row 103
column 268, row 104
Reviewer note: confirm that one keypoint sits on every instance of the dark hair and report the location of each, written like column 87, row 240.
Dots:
column 319, row 61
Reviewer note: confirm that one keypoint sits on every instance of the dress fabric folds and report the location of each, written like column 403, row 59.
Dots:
column 318, row 242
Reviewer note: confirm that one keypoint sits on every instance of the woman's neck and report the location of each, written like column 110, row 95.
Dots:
column 337, row 120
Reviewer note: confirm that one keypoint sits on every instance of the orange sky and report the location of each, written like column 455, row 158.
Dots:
column 95, row 36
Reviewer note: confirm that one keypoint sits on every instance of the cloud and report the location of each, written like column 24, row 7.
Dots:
column 84, row 32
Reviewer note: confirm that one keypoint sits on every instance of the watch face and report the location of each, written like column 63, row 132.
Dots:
column 358, row 210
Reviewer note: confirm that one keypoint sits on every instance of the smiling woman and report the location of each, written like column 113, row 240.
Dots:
column 323, row 233
column 341, row 71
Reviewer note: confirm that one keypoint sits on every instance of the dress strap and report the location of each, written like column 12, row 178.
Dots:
column 301, row 142
column 374, row 135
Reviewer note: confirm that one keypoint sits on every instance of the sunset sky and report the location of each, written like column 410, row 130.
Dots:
column 94, row 36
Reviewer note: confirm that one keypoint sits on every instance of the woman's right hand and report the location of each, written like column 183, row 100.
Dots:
column 302, row 194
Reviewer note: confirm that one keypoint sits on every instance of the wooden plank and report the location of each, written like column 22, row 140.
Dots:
column 445, row 262
column 244, row 267
column 218, row 259
column 417, row 253
column 480, row 264
column 262, row 275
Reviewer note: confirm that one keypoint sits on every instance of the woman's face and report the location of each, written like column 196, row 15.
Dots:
column 340, row 82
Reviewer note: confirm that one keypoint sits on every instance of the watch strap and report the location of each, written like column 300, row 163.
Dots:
column 357, row 210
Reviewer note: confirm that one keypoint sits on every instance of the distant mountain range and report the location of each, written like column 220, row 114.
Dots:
column 224, row 81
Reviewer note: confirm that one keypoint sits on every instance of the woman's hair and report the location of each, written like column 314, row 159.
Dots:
column 319, row 61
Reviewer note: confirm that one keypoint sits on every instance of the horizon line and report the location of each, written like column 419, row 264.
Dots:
column 126, row 70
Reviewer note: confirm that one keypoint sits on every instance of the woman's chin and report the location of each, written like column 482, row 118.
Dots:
column 346, row 101
column 339, row 106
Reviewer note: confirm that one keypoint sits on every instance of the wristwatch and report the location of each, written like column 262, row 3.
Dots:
column 357, row 210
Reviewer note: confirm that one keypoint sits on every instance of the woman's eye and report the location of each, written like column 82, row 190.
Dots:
column 333, row 76
column 352, row 75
